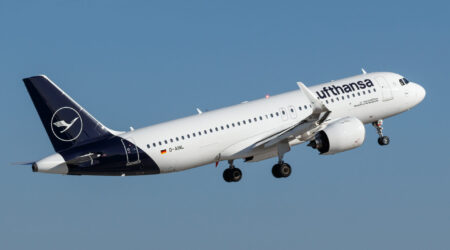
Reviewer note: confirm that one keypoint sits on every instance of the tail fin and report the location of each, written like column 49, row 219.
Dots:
column 67, row 123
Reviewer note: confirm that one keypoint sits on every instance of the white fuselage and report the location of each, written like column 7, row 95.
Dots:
column 217, row 135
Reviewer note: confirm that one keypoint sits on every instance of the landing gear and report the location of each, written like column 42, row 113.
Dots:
column 382, row 140
column 281, row 170
column 232, row 174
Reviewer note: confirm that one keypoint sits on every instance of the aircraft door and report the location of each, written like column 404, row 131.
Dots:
column 284, row 114
column 386, row 91
column 292, row 111
column 131, row 151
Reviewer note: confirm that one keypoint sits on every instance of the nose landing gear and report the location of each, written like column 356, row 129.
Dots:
column 382, row 139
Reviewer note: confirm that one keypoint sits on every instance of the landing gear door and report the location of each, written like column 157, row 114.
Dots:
column 386, row 91
column 131, row 151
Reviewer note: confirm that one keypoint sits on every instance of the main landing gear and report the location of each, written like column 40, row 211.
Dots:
column 281, row 170
column 382, row 140
column 232, row 174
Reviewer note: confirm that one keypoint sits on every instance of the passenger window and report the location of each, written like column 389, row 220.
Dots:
column 300, row 108
column 188, row 136
column 210, row 130
column 348, row 96
column 239, row 124
column 154, row 144
column 193, row 134
column 364, row 92
column 260, row 118
column 306, row 107
column 205, row 132
column 243, row 121
column 171, row 140
column 182, row 137
column 232, row 124
column 337, row 98
column 332, row 100
column 199, row 133
column 277, row 113
column 359, row 94
column 271, row 115
column 254, row 119
column 368, row 91
column 160, row 143
column 228, row 126
column 148, row 145
column 283, row 112
column 353, row 95
column 221, row 127
column 326, row 101
column 374, row 90
column 177, row 139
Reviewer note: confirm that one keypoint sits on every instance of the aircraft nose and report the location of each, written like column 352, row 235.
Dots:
column 420, row 93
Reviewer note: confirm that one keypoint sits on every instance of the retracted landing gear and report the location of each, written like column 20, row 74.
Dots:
column 382, row 140
column 232, row 174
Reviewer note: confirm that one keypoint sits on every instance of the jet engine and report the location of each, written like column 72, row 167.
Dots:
column 339, row 136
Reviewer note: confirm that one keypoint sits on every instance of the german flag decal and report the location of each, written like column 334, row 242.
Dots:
column 163, row 151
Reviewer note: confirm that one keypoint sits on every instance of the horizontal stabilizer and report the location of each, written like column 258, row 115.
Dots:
column 22, row 163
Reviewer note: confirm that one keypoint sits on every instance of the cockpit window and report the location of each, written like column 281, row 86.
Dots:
column 403, row 81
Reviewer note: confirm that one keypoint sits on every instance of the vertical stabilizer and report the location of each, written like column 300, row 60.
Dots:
column 67, row 123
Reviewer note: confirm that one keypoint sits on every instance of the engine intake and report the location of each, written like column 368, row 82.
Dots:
column 339, row 136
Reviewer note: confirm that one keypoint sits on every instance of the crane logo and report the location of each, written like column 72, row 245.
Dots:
column 66, row 124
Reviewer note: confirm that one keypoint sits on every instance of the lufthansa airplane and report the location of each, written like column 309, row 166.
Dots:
column 329, row 117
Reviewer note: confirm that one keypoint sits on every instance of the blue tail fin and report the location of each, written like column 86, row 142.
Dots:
column 67, row 123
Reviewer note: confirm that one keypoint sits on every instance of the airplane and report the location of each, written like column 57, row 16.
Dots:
column 329, row 117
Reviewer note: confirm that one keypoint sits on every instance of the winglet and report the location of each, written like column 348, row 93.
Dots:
column 318, row 106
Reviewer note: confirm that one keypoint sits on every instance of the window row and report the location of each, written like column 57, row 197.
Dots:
column 223, row 127
column 348, row 96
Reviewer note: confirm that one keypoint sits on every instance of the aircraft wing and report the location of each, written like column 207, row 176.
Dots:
column 303, row 130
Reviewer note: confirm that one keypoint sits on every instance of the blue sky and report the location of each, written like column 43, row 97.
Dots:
column 137, row 63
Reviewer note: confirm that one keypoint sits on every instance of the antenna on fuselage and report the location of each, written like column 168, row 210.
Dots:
column 199, row 111
column 363, row 71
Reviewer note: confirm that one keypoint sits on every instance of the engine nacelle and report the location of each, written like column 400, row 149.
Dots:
column 339, row 136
